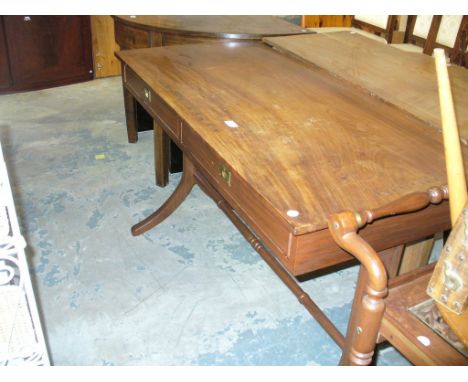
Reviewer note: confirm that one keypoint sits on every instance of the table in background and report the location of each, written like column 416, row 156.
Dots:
column 404, row 79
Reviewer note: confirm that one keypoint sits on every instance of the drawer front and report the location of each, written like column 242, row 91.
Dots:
column 131, row 38
column 269, row 227
column 158, row 109
column 179, row 39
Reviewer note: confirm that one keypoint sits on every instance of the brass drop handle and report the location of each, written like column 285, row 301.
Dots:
column 225, row 174
column 147, row 94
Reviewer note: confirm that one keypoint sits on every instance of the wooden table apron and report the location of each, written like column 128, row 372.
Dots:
column 340, row 162
column 135, row 32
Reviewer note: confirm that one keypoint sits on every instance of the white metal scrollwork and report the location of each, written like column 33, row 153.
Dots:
column 21, row 337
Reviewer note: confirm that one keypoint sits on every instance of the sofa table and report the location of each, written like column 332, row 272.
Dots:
column 327, row 146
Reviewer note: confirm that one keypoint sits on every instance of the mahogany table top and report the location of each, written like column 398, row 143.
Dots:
column 239, row 27
column 305, row 140
column 405, row 79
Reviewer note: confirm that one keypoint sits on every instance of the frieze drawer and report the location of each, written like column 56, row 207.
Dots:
column 131, row 38
column 158, row 109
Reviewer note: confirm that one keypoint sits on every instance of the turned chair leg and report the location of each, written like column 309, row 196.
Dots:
column 369, row 303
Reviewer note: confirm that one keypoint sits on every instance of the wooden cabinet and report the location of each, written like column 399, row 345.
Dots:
column 44, row 51
column 4, row 66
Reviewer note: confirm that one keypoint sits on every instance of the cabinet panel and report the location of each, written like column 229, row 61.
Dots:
column 48, row 50
column 4, row 66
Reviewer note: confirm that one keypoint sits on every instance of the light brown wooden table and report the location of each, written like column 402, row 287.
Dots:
column 281, row 144
column 404, row 79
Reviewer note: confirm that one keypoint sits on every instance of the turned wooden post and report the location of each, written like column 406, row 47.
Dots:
column 362, row 335
column 366, row 316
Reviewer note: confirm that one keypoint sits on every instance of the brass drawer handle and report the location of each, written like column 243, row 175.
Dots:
column 147, row 93
column 226, row 174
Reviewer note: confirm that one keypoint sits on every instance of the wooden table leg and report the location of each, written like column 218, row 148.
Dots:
column 161, row 140
column 392, row 259
column 161, row 155
column 130, row 115
column 416, row 255
column 183, row 189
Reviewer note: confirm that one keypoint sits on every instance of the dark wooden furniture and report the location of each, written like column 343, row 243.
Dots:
column 5, row 78
column 133, row 32
column 381, row 310
column 327, row 146
column 44, row 51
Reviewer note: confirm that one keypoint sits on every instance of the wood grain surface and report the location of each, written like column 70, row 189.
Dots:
column 133, row 32
column 306, row 141
column 323, row 21
column 104, row 46
column 241, row 27
column 405, row 79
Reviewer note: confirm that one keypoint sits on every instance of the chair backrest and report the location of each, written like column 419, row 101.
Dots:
column 421, row 31
column 452, row 34
column 448, row 32
column 381, row 25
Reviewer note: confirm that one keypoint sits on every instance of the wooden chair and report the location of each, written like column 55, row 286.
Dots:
column 455, row 42
column 424, row 33
column 398, row 309
column 420, row 33
column 383, row 303
column 408, row 333
column 378, row 27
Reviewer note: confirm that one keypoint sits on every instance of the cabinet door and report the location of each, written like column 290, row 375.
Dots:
column 4, row 66
column 48, row 50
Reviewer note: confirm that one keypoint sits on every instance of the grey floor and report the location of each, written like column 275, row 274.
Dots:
column 189, row 292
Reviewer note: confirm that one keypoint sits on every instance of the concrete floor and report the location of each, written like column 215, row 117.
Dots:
column 190, row 292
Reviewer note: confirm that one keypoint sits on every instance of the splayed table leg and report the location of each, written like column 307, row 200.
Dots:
column 183, row 189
